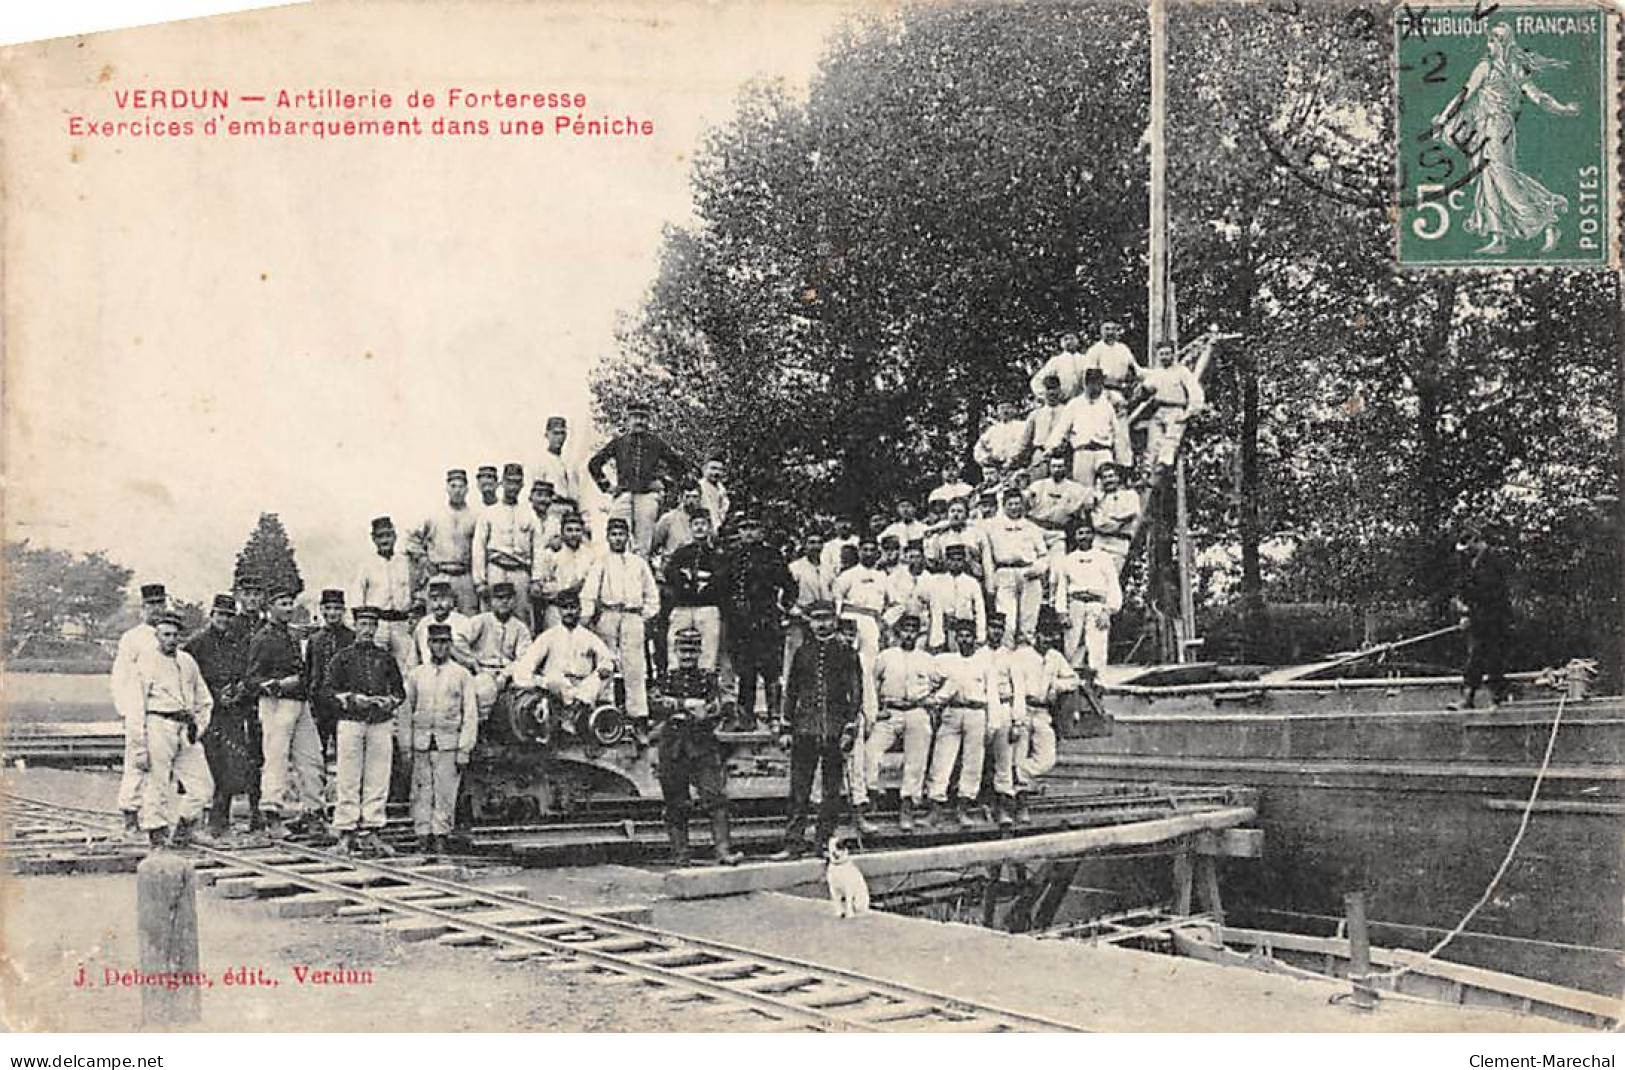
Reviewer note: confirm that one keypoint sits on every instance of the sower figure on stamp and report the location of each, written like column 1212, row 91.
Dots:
column 437, row 728
column 822, row 699
column 640, row 456
column 364, row 685
column 276, row 674
column 756, row 589
column 1487, row 600
column 328, row 640
column 231, row 751
column 139, row 640
column 175, row 708
column 690, row 756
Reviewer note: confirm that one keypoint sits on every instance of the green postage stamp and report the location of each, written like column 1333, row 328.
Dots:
column 1505, row 146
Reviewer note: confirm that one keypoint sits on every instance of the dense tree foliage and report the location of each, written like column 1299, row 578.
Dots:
column 49, row 590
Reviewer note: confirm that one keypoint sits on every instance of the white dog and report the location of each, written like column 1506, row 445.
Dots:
column 848, row 892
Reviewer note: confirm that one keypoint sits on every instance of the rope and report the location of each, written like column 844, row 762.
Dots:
column 1506, row 863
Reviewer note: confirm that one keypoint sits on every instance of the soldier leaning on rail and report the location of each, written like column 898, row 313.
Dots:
column 690, row 756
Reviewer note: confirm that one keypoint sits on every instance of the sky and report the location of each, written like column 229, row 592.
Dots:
column 201, row 329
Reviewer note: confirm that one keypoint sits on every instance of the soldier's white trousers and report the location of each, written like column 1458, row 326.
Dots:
column 366, row 753
column 1089, row 627
column 911, row 728
column 622, row 631
column 707, row 620
column 173, row 761
column 962, row 728
column 289, row 738
column 1034, row 748
column 435, row 777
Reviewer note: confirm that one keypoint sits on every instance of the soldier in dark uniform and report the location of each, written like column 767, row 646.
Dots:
column 1487, row 598
column 328, row 640
column 757, row 589
column 251, row 617
column 232, row 751
column 690, row 755
column 822, row 696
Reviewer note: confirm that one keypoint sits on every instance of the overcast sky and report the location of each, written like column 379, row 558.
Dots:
column 200, row 330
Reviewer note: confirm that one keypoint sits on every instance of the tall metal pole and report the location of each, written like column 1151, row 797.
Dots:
column 1161, row 322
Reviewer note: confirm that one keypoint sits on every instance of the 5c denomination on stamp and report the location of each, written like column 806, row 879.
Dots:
column 1505, row 156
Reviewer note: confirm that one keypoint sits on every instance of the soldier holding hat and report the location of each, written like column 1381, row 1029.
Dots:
column 363, row 684
column 232, row 751
column 328, row 640
column 618, row 596
column 385, row 583
column 823, row 697
column 276, row 675
column 175, row 707
column 445, row 542
column 437, row 728
column 640, row 457
column 507, row 542
column 132, row 645
column 690, row 756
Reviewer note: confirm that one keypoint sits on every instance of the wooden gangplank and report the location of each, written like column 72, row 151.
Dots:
column 702, row 881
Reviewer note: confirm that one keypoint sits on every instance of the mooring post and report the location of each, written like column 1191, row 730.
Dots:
column 166, row 917
column 1364, row 996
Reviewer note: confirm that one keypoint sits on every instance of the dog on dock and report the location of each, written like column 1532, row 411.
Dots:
column 848, row 891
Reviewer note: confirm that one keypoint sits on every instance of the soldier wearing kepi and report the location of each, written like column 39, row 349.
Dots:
column 563, row 475
column 565, row 569
column 490, row 485
column 328, row 640
column 507, row 542
column 364, row 685
column 1016, row 561
column 756, row 589
column 691, row 579
column 385, row 583
column 231, row 751
column 175, row 705
column 250, row 609
column 497, row 639
column 567, row 661
column 970, row 694
column 446, row 541
column 276, row 674
column 908, row 680
column 617, row 597
column 441, row 601
column 1050, row 683
column 640, row 456
column 860, row 594
column 437, row 727
column 822, row 697
column 138, row 641
column 690, row 755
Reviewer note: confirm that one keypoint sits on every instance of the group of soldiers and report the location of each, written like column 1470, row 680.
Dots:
column 951, row 636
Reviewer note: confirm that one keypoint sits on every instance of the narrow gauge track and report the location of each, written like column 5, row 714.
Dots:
column 773, row 991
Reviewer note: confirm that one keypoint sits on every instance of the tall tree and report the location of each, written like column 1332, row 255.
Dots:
column 48, row 589
column 267, row 556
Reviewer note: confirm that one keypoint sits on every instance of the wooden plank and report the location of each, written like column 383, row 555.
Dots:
column 730, row 880
column 313, row 905
column 1231, row 843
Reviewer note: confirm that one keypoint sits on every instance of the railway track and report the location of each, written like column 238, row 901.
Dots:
column 749, row 988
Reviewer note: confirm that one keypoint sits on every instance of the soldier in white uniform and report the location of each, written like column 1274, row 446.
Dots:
column 1057, row 501
column 497, row 639
column 437, row 728
column 908, row 680
column 1177, row 395
column 445, row 542
column 175, row 705
column 860, row 596
column 569, row 661
column 970, row 697
column 562, row 474
column 1016, row 562
column 1087, row 592
column 1006, row 723
column 1115, row 360
column 1065, row 367
column 1092, row 429
column 617, row 597
column 565, row 569
column 507, row 542
column 141, row 639
column 384, row 582
column 1049, row 680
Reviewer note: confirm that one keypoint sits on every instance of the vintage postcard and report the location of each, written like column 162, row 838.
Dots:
column 818, row 516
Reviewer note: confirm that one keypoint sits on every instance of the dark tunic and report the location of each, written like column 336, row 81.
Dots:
column 822, row 692
column 273, row 654
column 1487, row 594
column 363, row 669
column 691, row 575
column 231, row 745
column 689, row 752
column 319, row 651
column 639, row 457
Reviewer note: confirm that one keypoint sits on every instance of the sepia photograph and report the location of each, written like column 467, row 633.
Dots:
column 860, row 516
